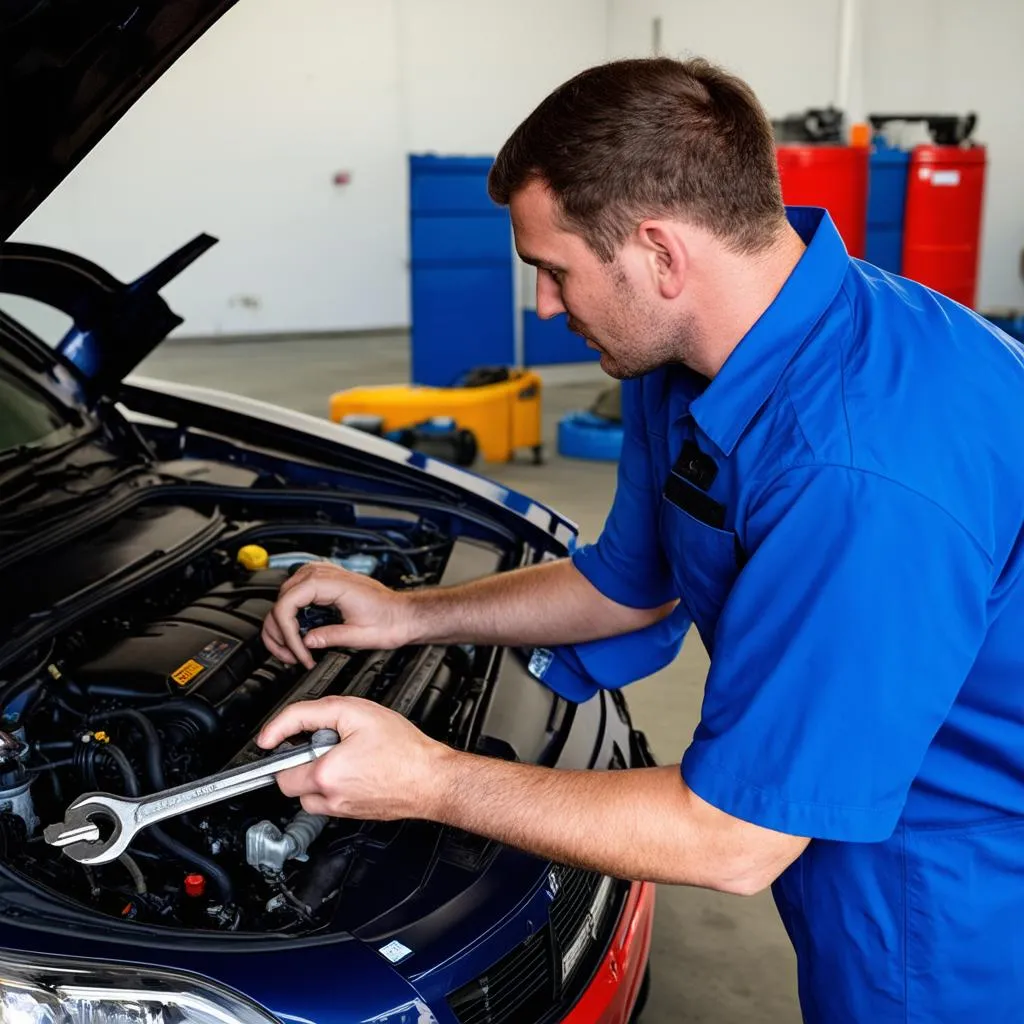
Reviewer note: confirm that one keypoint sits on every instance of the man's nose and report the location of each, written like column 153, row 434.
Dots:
column 549, row 297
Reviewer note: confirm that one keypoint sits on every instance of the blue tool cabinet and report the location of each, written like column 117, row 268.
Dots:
column 462, row 270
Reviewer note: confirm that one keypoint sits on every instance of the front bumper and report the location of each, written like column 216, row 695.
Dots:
column 612, row 994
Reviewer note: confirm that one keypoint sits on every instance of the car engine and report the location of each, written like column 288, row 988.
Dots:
column 173, row 683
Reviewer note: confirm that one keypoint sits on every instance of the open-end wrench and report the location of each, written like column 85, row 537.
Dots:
column 81, row 838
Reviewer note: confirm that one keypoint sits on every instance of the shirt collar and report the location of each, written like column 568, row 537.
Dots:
column 755, row 366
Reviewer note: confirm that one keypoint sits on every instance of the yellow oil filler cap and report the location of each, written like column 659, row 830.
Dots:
column 253, row 557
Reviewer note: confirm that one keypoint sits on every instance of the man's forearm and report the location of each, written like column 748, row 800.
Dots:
column 551, row 603
column 634, row 824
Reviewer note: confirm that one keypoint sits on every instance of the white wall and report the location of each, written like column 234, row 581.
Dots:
column 790, row 77
column 473, row 69
column 242, row 138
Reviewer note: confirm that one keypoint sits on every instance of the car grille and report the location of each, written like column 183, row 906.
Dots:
column 546, row 971
column 518, row 987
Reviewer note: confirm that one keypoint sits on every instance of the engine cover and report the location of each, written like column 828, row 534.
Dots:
column 211, row 647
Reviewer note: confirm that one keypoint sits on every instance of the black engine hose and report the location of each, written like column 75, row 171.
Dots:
column 196, row 708
column 199, row 710
column 179, row 850
column 121, row 763
column 31, row 690
column 154, row 748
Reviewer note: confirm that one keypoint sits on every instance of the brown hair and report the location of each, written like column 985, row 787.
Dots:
column 645, row 138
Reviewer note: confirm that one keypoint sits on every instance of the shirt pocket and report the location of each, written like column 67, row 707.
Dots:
column 703, row 557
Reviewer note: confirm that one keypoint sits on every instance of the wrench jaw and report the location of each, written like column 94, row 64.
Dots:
column 79, row 835
column 103, row 852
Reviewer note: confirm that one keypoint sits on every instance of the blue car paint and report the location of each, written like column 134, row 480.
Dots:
column 77, row 347
column 497, row 926
column 340, row 983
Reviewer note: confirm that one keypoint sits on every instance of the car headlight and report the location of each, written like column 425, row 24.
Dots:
column 58, row 990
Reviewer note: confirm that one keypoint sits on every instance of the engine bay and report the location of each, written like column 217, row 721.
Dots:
column 171, row 682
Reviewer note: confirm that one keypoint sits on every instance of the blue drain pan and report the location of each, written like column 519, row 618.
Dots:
column 582, row 435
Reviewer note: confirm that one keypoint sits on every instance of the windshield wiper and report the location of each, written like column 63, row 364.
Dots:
column 26, row 459
column 48, row 490
column 40, row 483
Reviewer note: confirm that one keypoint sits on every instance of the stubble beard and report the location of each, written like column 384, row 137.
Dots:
column 646, row 342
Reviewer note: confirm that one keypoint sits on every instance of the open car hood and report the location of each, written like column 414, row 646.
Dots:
column 69, row 70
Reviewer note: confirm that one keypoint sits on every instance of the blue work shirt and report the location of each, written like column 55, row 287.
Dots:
column 847, row 537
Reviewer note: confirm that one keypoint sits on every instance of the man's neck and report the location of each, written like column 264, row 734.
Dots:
column 735, row 290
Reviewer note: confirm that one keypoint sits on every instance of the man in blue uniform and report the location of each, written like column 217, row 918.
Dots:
column 824, row 470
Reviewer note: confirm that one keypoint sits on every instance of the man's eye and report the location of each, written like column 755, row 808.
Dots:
column 556, row 275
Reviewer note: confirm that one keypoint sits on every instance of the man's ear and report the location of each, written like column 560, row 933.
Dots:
column 665, row 255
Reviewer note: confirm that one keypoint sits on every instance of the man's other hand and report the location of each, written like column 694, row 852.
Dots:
column 374, row 616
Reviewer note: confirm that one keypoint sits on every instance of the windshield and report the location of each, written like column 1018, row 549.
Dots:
column 26, row 415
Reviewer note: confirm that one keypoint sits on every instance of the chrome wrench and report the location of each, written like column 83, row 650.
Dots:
column 81, row 838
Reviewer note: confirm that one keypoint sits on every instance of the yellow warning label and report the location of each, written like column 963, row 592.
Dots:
column 187, row 672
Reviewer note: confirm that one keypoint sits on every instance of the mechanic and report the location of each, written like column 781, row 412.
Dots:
column 824, row 467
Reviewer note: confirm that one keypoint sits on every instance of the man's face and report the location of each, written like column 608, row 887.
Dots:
column 613, row 306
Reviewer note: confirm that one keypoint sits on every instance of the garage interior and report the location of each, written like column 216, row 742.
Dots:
column 288, row 137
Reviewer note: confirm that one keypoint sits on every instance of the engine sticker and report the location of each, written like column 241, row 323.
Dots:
column 213, row 654
column 187, row 672
column 395, row 951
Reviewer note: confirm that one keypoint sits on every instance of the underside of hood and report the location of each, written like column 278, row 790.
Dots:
column 69, row 70
column 114, row 325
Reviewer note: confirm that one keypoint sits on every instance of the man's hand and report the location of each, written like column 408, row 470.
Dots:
column 374, row 615
column 383, row 769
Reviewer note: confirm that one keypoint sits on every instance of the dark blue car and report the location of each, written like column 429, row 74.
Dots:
column 145, row 529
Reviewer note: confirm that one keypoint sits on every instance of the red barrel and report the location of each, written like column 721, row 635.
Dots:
column 835, row 177
column 942, row 229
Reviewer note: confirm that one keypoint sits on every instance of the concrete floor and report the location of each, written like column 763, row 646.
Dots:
column 716, row 958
